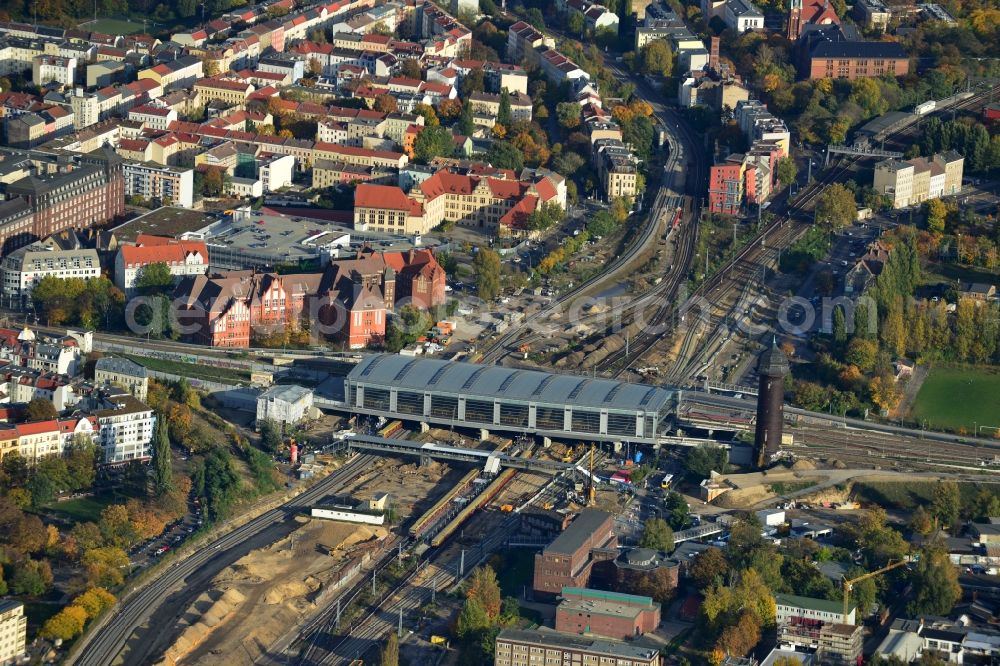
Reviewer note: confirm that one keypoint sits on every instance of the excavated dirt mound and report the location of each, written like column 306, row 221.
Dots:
column 802, row 464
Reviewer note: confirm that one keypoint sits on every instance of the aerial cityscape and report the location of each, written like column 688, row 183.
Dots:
column 499, row 332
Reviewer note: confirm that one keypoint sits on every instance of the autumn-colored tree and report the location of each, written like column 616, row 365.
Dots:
column 286, row 134
column 429, row 115
column 105, row 566
column 116, row 526
column 385, row 103
column 936, row 212
column 921, row 521
column 147, row 523
column 483, row 588
column 95, row 601
column 66, row 625
column 709, row 568
column 179, row 420
column 738, row 639
column 884, row 392
column 449, row 109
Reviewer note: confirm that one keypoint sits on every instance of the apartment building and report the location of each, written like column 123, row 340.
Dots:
column 124, row 373
column 359, row 156
column 153, row 116
column 174, row 74
column 522, row 647
column 522, row 39
column 13, row 631
column 617, row 168
column 914, row 181
column 47, row 69
column 231, row 92
column 173, row 186
column 23, row 268
column 488, row 104
column 183, row 258
column 725, row 185
column 835, row 644
column 124, row 429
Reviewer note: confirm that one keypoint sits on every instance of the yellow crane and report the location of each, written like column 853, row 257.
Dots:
column 592, row 495
column 849, row 583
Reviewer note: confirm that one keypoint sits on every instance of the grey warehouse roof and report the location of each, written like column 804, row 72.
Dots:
column 470, row 379
column 121, row 366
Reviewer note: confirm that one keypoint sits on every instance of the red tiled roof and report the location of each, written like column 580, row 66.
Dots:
column 153, row 249
column 381, row 196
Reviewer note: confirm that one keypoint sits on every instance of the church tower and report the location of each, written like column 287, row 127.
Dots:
column 794, row 20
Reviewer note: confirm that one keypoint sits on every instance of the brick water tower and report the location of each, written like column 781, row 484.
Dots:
column 772, row 366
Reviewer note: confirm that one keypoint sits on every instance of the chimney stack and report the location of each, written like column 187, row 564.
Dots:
column 713, row 56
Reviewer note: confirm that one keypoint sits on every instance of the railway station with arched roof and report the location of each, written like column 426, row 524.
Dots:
column 492, row 397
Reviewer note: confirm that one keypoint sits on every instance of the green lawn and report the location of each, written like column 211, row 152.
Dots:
column 110, row 26
column 957, row 398
column 194, row 371
column 81, row 510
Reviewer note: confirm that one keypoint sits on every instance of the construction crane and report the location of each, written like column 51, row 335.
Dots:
column 592, row 493
column 849, row 583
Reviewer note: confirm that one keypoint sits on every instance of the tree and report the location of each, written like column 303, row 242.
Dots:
column 935, row 583
column 787, row 170
column 390, row 653
column 486, row 264
column 945, row 503
column 48, row 478
column 116, row 527
column 465, row 125
column 105, row 566
column 709, row 568
column 471, row 619
column 601, row 223
column 505, row 155
column 921, row 521
column 40, row 409
column 270, row 435
column 385, row 103
column 862, row 353
column 739, row 638
column 656, row 58
column 433, row 142
column 863, row 593
column 32, row 578
column 449, row 109
column 155, row 278
column 936, row 212
column 836, row 207
column 504, row 114
column 473, row 82
column 483, row 587
column 66, row 625
column 704, row 459
column 162, row 472
column 575, row 23
column 81, row 462
column 535, row 18
column 95, row 601
column 87, row 536
column 676, row 511
column 656, row 534
column 411, row 69
column 568, row 114
column 429, row 115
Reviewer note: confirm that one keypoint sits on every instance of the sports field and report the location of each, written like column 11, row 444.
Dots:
column 110, row 26
column 957, row 398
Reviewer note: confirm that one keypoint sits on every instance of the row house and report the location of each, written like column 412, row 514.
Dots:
column 34, row 441
column 914, row 181
column 173, row 74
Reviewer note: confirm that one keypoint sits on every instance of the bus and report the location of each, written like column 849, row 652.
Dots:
column 667, row 480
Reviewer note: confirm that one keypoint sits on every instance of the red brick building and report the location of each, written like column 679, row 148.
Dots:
column 569, row 559
column 833, row 59
column 348, row 301
column 75, row 194
column 609, row 614
column 805, row 12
